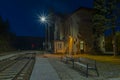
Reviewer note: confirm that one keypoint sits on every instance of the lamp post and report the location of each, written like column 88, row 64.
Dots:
column 44, row 20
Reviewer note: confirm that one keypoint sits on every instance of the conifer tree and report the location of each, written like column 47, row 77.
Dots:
column 99, row 22
column 106, row 17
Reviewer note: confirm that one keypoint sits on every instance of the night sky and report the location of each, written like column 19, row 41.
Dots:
column 22, row 14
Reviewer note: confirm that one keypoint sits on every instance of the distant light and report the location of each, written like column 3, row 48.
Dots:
column 43, row 19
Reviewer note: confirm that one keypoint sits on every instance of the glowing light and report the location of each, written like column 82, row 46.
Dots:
column 43, row 18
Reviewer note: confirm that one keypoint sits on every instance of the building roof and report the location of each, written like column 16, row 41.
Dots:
column 83, row 8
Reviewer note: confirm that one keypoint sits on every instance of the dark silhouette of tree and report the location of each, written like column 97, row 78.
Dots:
column 1, row 25
column 99, row 21
column 6, row 36
column 106, row 17
column 111, row 15
column 6, row 26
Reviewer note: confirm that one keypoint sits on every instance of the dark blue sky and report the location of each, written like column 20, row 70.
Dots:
column 22, row 14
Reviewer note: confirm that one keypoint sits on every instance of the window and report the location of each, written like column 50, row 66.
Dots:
column 59, row 45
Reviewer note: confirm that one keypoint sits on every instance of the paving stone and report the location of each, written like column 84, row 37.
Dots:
column 64, row 71
column 43, row 70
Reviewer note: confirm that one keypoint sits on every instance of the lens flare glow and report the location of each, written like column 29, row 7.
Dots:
column 43, row 18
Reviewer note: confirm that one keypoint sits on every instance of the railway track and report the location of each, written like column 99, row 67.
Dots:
column 17, row 68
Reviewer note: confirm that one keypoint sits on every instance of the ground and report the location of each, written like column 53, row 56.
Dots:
column 108, row 67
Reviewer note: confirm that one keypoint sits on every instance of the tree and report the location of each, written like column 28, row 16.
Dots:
column 5, row 35
column 113, row 14
column 4, row 27
column 106, row 16
column 118, row 41
column 99, row 22
column 1, row 25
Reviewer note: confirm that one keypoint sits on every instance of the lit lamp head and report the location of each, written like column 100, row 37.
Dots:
column 43, row 19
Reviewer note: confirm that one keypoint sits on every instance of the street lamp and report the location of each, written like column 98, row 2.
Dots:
column 44, row 20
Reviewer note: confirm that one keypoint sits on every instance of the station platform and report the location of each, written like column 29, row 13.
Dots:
column 43, row 70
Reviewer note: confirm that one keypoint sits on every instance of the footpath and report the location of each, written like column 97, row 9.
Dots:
column 43, row 70
column 49, row 67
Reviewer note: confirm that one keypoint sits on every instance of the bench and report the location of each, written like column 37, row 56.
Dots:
column 86, row 63
column 67, row 59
